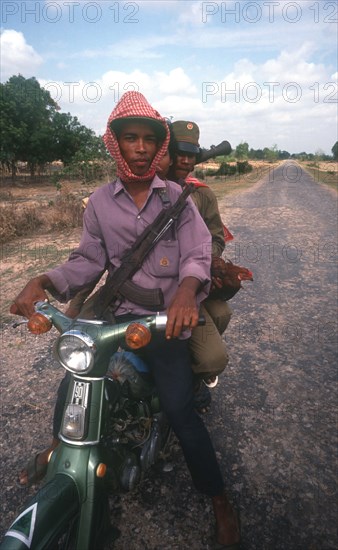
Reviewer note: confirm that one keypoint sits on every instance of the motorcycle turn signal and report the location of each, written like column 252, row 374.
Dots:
column 137, row 335
column 39, row 323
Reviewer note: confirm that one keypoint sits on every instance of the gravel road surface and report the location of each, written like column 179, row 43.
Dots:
column 274, row 416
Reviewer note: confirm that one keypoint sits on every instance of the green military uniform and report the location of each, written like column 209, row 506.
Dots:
column 206, row 203
column 207, row 346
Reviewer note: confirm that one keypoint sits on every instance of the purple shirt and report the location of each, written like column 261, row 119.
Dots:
column 112, row 223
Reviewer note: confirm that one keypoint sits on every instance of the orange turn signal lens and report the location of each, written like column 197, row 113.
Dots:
column 137, row 335
column 39, row 323
column 101, row 470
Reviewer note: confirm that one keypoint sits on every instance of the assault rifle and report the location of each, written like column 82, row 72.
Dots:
column 119, row 284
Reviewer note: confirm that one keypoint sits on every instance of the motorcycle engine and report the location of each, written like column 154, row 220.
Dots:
column 152, row 447
column 137, row 431
column 137, row 439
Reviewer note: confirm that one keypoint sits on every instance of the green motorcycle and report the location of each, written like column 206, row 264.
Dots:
column 112, row 431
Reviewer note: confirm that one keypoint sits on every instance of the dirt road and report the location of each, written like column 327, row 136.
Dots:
column 273, row 419
column 278, row 398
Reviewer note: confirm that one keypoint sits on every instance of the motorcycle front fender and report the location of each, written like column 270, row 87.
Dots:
column 45, row 517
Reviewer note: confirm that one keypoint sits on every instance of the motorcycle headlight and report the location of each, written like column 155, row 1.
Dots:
column 75, row 350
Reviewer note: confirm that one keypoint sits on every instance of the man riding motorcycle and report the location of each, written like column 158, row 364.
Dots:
column 137, row 137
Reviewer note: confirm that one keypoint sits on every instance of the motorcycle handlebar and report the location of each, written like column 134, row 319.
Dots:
column 161, row 320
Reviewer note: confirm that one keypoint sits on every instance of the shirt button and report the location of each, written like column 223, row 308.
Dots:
column 138, row 217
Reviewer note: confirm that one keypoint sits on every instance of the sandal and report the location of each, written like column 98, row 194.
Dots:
column 34, row 472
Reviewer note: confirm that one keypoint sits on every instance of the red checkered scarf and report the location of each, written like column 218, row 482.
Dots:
column 133, row 105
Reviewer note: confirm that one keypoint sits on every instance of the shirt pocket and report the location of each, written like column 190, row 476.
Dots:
column 164, row 259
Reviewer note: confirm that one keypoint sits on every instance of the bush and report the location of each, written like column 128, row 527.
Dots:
column 62, row 213
column 89, row 171
column 15, row 222
column 226, row 170
column 66, row 212
column 244, row 167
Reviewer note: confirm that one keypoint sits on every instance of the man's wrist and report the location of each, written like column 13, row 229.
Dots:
column 190, row 285
column 44, row 281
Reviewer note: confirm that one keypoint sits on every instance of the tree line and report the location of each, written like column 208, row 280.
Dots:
column 33, row 130
column 242, row 151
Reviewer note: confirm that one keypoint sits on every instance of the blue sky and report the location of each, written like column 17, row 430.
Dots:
column 264, row 72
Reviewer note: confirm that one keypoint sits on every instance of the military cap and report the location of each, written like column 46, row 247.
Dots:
column 187, row 135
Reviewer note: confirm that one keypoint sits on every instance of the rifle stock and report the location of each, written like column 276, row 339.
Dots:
column 223, row 148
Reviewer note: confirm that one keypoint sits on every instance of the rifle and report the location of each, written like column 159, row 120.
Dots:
column 223, row 148
column 119, row 284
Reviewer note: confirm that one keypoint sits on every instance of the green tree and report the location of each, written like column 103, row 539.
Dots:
column 71, row 138
column 256, row 154
column 271, row 154
column 33, row 131
column 27, row 112
column 242, row 150
column 335, row 151
column 283, row 155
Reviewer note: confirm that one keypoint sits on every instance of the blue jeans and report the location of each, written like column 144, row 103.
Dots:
column 170, row 364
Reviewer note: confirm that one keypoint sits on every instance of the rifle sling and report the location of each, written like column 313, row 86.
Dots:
column 133, row 258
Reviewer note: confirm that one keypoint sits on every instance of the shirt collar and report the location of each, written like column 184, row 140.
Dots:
column 118, row 186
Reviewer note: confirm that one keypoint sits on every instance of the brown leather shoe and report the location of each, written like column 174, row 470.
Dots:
column 227, row 523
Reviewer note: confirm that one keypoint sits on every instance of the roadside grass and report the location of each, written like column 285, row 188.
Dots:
column 226, row 185
column 17, row 221
column 326, row 174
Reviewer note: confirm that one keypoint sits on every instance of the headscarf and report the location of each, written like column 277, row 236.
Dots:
column 133, row 105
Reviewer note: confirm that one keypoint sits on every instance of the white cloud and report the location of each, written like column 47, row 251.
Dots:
column 130, row 48
column 176, row 81
column 278, row 116
column 176, row 90
column 17, row 56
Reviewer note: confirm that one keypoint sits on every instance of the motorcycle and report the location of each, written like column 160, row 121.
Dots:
column 112, row 431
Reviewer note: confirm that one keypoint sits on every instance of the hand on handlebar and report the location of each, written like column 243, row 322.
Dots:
column 33, row 292
column 183, row 312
